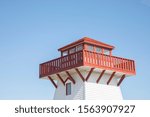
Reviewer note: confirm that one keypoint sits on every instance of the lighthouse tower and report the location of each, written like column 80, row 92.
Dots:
column 87, row 70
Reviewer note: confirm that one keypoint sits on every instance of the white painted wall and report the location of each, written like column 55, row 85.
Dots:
column 89, row 90
column 95, row 91
column 77, row 90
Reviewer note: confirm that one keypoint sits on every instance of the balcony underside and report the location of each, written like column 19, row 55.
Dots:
column 85, row 60
column 86, row 68
column 81, row 71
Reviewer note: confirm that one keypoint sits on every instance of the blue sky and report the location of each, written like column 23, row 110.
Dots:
column 31, row 31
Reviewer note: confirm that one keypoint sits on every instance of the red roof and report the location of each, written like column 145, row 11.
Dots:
column 88, row 41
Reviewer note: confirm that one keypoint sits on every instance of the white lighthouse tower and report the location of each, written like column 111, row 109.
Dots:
column 87, row 70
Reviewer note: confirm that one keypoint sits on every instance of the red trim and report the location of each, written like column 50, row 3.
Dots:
column 88, row 41
column 112, row 75
column 80, row 74
column 102, row 50
column 60, row 79
column 100, row 76
column 89, row 74
column 67, row 79
column 110, row 52
column 120, row 81
column 82, row 58
column 52, row 81
column 70, row 77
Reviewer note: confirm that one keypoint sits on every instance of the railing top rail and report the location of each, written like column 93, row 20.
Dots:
column 61, row 57
column 108, row 55
column 112, row 62
column 89, row 52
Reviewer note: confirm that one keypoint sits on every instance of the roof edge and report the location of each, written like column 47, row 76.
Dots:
column 89, row 41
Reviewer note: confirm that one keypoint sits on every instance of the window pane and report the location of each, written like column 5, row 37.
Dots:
column 90, row 48
column 106, row 51
column 98, row 50
column 72, row 50
column 68, row 89
column 65, row 53
column 79, row 47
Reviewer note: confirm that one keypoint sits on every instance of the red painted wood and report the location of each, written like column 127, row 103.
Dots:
column 90, row 72
column 70, row 77
column 52, row 81
column 121, row 79
column 80, row 74
column 112, row 75
column 60, row 79
column 66, row 80
column 87, row 58
column 102, row 73
column 87, row 40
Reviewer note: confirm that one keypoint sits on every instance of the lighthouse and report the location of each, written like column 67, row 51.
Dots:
column 87, row 70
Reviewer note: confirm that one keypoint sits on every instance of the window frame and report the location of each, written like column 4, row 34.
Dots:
column 68, row 88
column 90, row 48
column 65, row 53
column 106, row 51
column 98, row 49
column 79, row 47
column 72, row 50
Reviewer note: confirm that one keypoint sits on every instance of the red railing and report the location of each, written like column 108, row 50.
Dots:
column 87, row 58
column 62, row 63
column 109, row 62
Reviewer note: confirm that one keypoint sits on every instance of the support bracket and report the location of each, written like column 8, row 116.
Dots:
column 60, row 79
column 89, row 73
column 111, row 77
column 102, row 73
column 70, row 77
column 52, row 81
column 121, row 79
column 77, row 70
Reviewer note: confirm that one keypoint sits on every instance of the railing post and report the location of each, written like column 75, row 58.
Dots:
column 134, row 66
column 122, row 64
column 110, row 61
column 102, row 60
column 128, row 65
column 83, row 56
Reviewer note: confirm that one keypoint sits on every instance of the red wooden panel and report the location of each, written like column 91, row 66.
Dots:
column 87, row 58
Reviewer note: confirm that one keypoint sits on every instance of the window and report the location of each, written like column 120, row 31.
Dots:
column 98, row 50
column 65, row 53
column 73, row 50
column 79, row 47
column 106, row 51
column 90, row 48
column 68, row 89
